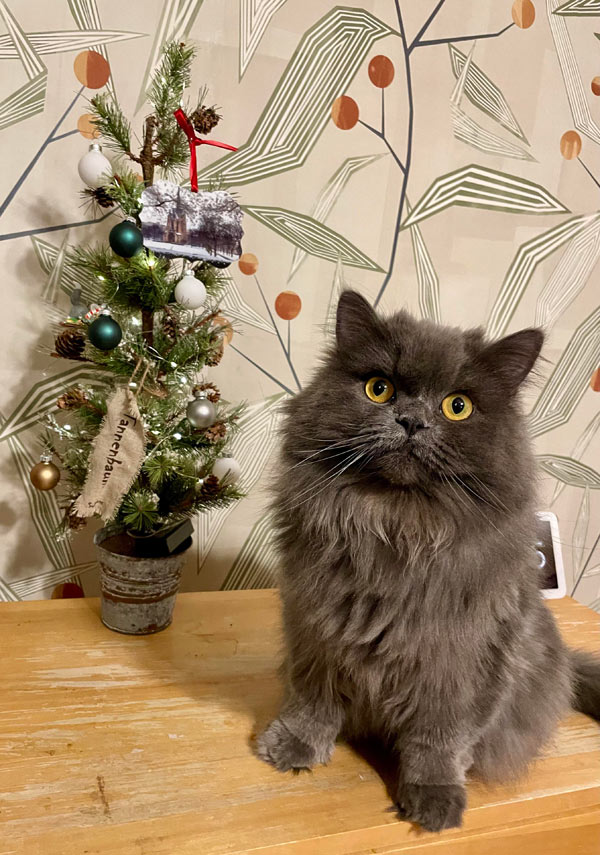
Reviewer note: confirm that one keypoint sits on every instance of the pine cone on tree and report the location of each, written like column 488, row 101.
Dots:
column 216, row 432
column 212, row 393
column 169, row 326
column 215, row 357
column 210, row 487
column 98, row 196
column 74, row 521
column 72, row 399
column 204, row 119
column 70, row 344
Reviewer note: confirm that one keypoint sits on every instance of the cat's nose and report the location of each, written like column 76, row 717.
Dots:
column 411, row 424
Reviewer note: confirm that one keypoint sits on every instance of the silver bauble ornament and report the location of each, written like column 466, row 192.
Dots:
column 201, row 412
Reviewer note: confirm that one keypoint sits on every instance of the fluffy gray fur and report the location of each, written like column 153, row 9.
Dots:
column 410, row 586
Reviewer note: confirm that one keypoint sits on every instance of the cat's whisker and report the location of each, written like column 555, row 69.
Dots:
column 347, row 445
column 451, row 459
column 458, row 462
column 328, row 481
column 310, row 458
column 327, row 475
column 455, row 480
column 474, row 492
column 324, row 439
column 489, row 490
column 360, row 439
column 470, row 475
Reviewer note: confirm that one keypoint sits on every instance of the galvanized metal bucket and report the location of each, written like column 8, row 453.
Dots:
column 137, row 594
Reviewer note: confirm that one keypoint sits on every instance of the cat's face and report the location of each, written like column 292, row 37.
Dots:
column 412, row 402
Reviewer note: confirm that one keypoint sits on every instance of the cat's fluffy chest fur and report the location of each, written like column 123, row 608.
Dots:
column 390, row 586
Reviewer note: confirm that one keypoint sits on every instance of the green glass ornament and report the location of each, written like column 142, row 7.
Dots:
column 105, row 333
column 125, row 239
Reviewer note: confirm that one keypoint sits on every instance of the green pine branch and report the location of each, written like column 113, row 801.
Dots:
column 170, row 79
column 112, row 124
column 125, row 190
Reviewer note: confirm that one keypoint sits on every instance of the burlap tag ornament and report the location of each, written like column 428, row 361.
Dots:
column 117, row 456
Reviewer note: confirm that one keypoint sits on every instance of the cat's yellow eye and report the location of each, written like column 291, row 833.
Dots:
column 379, row 390
column 457, row 407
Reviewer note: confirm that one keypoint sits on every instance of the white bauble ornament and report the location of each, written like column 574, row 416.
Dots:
column 227, row 470
column 190, row 292
column 94, row 167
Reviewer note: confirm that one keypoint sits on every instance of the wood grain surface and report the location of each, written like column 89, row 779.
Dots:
column 116, row 745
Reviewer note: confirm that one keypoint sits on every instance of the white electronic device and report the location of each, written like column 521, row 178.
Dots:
column 547, row 547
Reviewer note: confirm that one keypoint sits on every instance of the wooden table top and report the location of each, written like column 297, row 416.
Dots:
column 118, row 745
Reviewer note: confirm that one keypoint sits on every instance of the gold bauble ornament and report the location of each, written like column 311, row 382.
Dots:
column 45, row 475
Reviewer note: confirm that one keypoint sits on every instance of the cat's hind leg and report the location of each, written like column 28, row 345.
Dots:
column 528, row 717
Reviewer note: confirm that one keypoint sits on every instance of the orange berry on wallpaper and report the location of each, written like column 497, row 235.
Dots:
column 570, row 145
column 344, row 112
column 288, row 305
column 523, row 13
column 86, row 127
column 595, row 84
column 381, row 71
column 91, row 69
column 595, row 381
column 248, row 263
column 220, row 321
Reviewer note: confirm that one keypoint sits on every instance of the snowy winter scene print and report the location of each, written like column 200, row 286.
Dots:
column 198, row 226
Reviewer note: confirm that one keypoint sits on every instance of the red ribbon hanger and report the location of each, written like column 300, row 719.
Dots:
column 187, row 127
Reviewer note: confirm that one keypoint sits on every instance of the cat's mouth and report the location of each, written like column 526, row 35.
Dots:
column 408, row 461
column 400, row 460
column 394, row 457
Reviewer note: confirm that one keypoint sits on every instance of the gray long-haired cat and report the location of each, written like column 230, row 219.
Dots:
column 410, row 586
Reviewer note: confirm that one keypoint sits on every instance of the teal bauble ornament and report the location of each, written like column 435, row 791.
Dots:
column 105, row 333
column 125, row 239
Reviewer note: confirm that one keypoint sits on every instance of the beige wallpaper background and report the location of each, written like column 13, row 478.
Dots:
column 511, row 241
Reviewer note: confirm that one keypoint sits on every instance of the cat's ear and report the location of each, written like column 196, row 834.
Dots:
column 511, row 358
column 357, row 323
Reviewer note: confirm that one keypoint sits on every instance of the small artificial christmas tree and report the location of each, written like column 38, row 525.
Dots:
column 144, row 444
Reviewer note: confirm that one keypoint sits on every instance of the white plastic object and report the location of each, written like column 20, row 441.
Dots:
column 545, row 560
column 94, row 168
column 190, row 292
column 227, row 470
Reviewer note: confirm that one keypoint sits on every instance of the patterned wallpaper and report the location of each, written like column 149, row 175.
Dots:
column 442, row 156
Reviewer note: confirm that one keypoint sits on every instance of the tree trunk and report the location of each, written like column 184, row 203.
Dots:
column 148, row 326
column 147, row 162
column 147, row 151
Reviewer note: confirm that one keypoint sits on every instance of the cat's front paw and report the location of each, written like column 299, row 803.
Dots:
column 278, row 746
column 433, row 806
